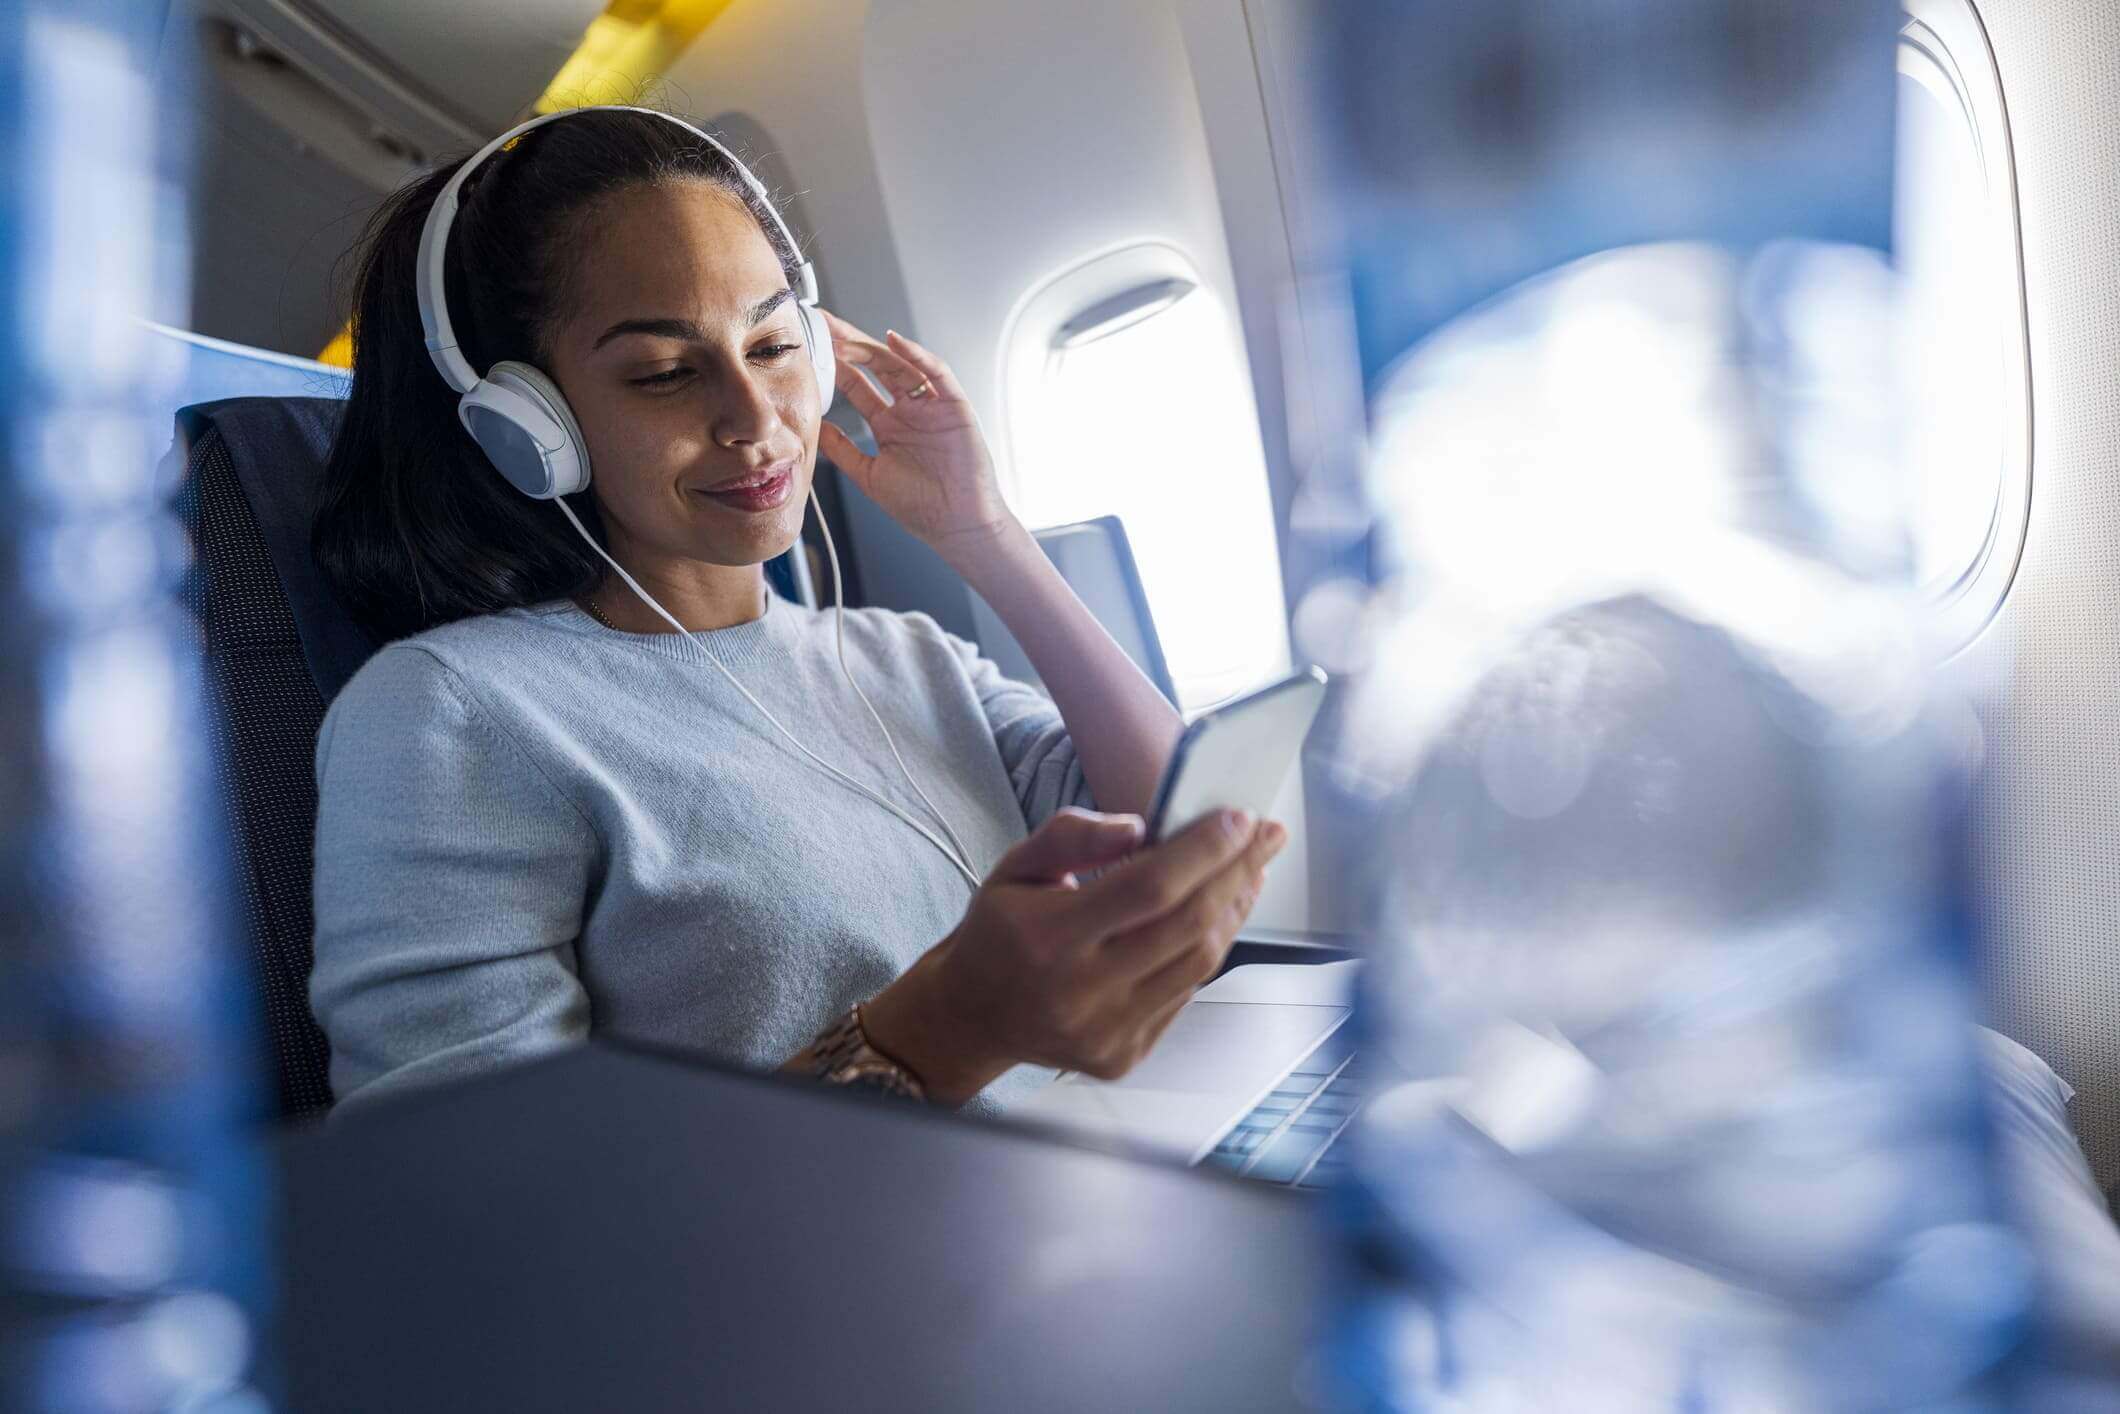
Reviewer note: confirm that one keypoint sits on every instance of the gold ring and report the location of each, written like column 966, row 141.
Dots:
column 927, row 386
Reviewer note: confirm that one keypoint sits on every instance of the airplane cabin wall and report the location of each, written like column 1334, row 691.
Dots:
column 2048, row 799
column 1060, row 133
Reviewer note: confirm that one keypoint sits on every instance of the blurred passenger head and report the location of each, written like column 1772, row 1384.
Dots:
column 1627, row 788
column 599, row 219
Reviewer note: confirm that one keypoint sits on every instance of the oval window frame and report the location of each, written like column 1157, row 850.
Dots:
column 1943, row 45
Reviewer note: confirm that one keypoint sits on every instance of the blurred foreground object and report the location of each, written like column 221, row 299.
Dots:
column 127, row 1214
column 1677, row 1105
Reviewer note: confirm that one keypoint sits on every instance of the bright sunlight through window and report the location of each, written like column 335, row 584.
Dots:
column 1969, row 438
column 1947, row 250
column 1152, row 421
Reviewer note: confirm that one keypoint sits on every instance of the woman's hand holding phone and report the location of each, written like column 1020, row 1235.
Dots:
column 1085, row 976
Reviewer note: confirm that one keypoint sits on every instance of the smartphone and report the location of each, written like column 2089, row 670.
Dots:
column 1237, row 756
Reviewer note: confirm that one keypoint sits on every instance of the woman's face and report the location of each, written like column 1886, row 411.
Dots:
column 682, row 356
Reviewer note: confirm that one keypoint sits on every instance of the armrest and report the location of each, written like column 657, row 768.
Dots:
column 1281, row 945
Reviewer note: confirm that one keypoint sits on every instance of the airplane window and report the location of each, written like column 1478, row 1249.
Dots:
column 1956, row 218
column 1141, row 407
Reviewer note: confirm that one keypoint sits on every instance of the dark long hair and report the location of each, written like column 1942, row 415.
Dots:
column 415, row 528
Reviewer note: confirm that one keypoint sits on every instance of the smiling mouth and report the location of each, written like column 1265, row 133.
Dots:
column 763, row 477
column 758, row 492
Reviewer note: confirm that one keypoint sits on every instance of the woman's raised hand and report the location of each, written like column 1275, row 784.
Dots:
column 931, row 469
column 1076, row 975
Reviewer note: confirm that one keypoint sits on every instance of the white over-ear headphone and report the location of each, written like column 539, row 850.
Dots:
column 522, row 423
column 515, row 413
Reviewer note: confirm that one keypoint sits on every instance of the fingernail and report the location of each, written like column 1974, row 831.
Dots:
column 1235, row 823
column 1135, row 825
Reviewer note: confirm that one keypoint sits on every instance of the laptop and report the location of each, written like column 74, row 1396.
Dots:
column 1255, row 1077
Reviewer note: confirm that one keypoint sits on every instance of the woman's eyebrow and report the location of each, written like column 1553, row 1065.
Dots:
column 685, row 328
column 771, row 302
column 661, row 328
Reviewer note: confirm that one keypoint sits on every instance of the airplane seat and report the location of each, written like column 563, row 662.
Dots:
column 277, row 648
column 1097, row 561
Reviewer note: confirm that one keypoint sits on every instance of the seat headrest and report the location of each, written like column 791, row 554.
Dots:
column 278, row 447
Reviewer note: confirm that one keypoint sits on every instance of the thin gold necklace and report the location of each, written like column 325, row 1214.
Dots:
column 589, row 603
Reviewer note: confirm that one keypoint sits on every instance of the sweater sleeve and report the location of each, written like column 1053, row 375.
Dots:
column 451, row 878
column 1036, row 750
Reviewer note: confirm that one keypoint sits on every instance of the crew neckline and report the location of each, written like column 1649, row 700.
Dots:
column 777, row 625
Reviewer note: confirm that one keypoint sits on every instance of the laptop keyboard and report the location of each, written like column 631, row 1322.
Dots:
column 1291, row 1136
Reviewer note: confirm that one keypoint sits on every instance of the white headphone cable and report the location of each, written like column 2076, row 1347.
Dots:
column 839, row 637
column 954, row 855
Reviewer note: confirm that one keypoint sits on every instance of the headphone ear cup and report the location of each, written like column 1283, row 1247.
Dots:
column 822, row 362
column 517, row 432
column 550, row 395
column 526, row 430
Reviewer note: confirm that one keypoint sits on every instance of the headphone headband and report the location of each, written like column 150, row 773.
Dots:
column 434, row 238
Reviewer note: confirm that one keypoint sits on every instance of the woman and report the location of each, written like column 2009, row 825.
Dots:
column 543, row 814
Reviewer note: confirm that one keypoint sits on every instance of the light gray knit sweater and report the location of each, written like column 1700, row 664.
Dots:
column 532, row 828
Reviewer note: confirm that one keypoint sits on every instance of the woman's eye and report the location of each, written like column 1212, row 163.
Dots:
column 671, row 377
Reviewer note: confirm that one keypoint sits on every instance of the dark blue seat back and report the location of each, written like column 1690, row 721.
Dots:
column 277, row 648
